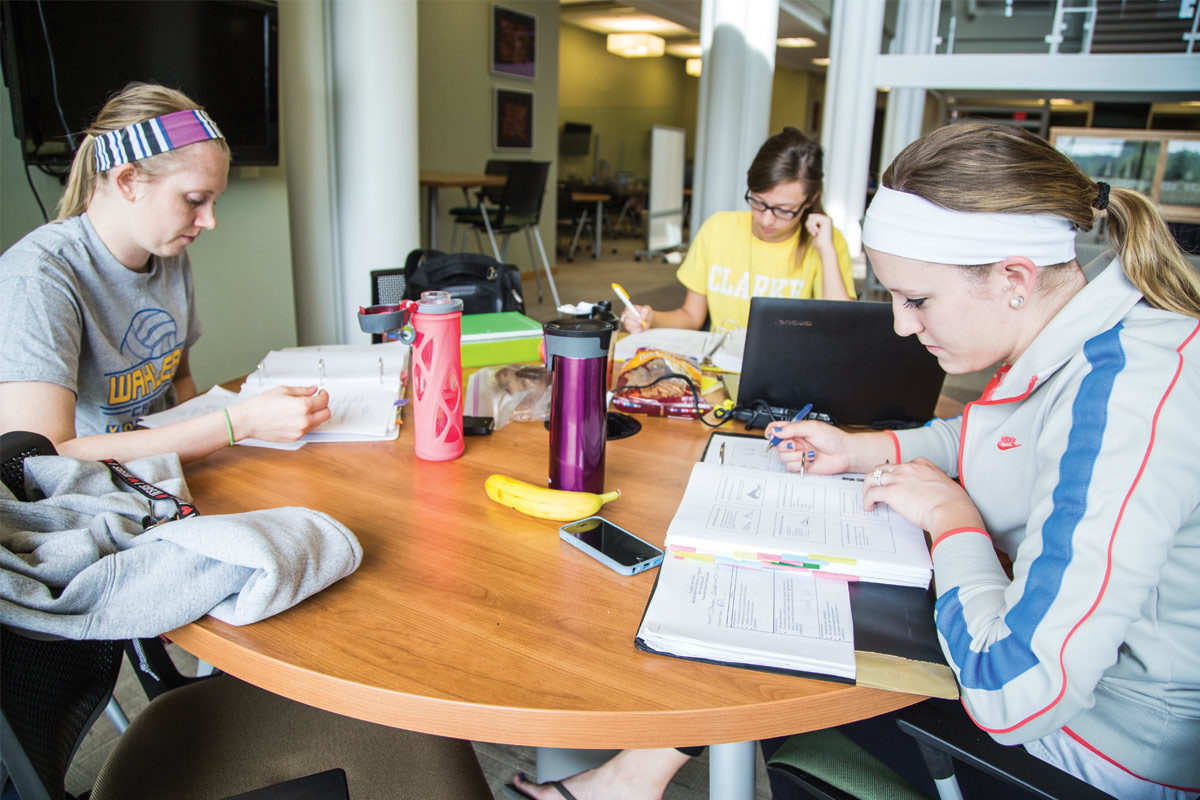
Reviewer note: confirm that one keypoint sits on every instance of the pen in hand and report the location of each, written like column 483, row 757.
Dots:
column 624, row 296
column 801, row 414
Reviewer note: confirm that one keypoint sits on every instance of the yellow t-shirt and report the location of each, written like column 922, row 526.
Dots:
column 728, row 264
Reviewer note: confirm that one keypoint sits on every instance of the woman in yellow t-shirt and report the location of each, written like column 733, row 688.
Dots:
column 783, row 246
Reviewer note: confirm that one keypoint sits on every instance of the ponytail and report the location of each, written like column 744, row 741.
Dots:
column 1152, row 260
column 81, row 181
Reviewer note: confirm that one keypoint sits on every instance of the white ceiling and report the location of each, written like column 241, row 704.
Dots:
column 808, row 18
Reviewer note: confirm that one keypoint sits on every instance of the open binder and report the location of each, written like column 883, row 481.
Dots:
column 755, row 615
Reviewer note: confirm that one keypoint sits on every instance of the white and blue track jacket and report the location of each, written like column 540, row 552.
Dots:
column 1083, row 458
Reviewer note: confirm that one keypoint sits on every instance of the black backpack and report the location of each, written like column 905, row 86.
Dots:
column 482, row 283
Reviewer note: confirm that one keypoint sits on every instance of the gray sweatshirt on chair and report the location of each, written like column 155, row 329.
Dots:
column 76, row 563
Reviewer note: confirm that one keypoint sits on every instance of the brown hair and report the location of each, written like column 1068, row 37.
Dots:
column 134, row 103
column 790, row 156
column 984, row 167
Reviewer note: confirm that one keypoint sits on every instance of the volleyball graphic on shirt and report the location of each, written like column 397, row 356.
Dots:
column 152, row 333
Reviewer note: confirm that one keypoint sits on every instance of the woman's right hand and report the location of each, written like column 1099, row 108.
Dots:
column 282, row 414
column 818, row 446
column 637, row 318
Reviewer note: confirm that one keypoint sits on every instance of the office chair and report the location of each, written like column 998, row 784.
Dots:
column 574, row 216
column 829, row 765
column 155, row 670
column 387, row 288
column 520, row 209
column 945, row 734
column 209, row 738
column 487, row 201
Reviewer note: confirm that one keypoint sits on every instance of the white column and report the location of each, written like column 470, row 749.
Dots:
column 308, row 156
column 905, row 115
column 374, row 91
column 738, row 39
column 856, row 32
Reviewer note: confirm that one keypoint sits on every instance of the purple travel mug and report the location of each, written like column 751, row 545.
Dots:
column 577, row 353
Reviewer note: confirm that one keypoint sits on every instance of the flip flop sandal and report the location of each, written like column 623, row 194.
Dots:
column 513, row 793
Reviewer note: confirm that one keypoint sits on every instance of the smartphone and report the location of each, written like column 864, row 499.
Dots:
column 611, row 545
column 477, row 426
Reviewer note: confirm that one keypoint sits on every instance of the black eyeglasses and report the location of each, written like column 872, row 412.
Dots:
column 780, row 213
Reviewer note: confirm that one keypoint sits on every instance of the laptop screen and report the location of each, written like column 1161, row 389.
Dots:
column 843, row 357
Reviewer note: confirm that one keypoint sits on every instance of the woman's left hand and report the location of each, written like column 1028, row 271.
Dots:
column 922, row 494
column 820, row 228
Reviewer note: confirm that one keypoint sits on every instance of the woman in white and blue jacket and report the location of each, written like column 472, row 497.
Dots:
column 1063, row 505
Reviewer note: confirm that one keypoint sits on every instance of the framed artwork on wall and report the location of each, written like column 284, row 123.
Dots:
column 514, row 120
column 514, row 36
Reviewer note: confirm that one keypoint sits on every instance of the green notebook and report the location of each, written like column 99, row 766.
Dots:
column 508, row 337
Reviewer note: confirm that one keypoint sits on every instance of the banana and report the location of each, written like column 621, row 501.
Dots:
column 539, row 501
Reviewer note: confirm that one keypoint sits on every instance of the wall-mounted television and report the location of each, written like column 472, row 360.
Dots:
column 63, row 58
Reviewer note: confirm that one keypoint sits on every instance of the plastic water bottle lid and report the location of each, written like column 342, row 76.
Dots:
column 438, row 302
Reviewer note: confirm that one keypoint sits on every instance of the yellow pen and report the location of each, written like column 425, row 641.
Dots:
column 624, row 296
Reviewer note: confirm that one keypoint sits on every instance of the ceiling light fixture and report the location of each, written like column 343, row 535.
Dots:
column 821, row 62
column 693, row 66
column 795, row 41
column 636, row 45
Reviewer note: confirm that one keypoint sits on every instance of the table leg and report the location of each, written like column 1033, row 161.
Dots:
column 731, row 770
column 599, row 222
column 432, row 207
column 731, row 767
column 556, row 763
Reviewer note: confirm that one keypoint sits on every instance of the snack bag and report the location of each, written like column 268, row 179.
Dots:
column 660, row 384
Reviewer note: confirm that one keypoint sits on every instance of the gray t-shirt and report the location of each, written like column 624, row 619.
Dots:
column 71, row 314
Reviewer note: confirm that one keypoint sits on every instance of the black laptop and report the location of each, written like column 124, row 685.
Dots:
column 843, row 357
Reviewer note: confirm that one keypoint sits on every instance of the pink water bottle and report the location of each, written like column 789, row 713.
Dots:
column 437, row 377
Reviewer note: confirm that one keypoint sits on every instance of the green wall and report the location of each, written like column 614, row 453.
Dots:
column 456, row 103
column 620, row 98
column 243, row 269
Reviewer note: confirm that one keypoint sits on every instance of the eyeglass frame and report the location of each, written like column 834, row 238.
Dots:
column 784, row 214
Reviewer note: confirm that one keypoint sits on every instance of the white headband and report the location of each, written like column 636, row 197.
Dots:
column 912, row 227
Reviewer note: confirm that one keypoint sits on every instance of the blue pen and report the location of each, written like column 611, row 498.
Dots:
column 801, row 414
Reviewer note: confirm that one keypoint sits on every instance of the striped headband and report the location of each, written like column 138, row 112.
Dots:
column 906, row 225
column 153, row 136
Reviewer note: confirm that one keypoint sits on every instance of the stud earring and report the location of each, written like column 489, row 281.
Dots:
column 1017, row 301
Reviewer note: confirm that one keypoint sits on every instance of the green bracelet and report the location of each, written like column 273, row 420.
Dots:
column 228, row 425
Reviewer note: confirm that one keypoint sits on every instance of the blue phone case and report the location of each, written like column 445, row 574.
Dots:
column 652, row 560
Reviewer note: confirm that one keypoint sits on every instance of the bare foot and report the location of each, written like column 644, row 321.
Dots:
column 629, row 775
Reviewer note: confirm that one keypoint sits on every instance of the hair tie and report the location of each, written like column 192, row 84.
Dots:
column 1101, row 196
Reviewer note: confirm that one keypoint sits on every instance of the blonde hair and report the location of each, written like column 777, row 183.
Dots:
column 133, row 104
column 984, row 167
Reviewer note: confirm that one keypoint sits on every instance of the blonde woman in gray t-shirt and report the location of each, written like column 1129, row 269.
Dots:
column 97, row 309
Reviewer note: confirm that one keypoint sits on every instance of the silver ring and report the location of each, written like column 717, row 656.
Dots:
column 878, row 476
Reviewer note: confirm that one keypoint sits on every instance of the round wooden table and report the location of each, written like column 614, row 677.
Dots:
column 468, row 619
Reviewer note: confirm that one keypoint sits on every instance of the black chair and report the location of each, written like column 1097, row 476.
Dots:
column 828, row 765
column 945, row 734
column 520, row 209
column 387, row 288
column 214, row 738
column 575, row 218
column 155, row 670
column 487, row 201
